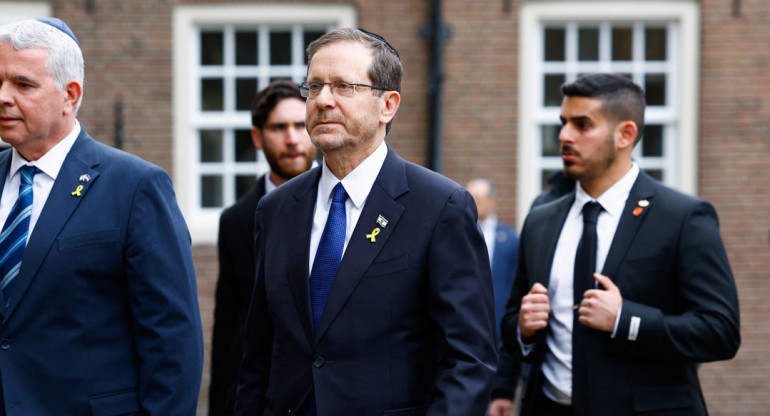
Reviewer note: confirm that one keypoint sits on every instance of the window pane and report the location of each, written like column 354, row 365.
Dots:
column 550, row 140
column 211, row 145
column 655, row 173
column 621, row 44
column 552, row 93
column 588, row 44
column 243, row 184
column 309, row 37
column 246, row 48
column 652, row 141
column 280, row 48
column 545, row 175
column 212, row 94
column 554, row 44
column 244, row 147
column 211, row 48
column 211, row 191
column 655, row 89
column 245, row 88
column 655, row 44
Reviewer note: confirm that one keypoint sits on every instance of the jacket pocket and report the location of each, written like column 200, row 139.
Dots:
column 649, row 399
column 116, row 403
column 89, row 239
column 384, row 268
column 407, row 411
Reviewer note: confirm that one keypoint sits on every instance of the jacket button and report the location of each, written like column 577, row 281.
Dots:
column 318, row 362
column 5, row 344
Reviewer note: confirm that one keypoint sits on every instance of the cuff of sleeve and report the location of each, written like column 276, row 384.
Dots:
column 526, row 349
column 617, row 322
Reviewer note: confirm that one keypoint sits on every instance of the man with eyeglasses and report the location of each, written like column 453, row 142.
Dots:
column 278, row 120
column 373, row 292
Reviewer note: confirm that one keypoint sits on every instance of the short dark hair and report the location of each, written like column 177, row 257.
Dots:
column 266, row 100
column 621, row 98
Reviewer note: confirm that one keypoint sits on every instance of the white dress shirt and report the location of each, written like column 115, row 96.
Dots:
column 357, row 184
column 49, row 165
column 489, row 229
column 557, row 367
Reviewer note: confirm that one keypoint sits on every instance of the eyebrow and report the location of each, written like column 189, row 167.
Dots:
column 22, row 78
column 575, row 118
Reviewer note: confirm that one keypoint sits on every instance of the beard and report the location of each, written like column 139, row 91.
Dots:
column 593, row 166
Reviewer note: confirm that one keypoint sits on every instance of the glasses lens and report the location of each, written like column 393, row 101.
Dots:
column 343, row 89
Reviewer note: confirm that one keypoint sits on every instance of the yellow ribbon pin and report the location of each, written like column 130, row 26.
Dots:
column 77, row 191
column 373, row 234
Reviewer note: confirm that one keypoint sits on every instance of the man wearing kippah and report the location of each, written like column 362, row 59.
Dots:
column 98, row 307
column 373, row 293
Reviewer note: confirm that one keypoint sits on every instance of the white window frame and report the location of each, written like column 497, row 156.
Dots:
column 188, row 20
column 681, row 16
column 14, row 10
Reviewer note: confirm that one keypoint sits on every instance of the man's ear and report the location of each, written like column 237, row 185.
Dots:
column 626, row 132
column 256, row 137
column 391, row 100
column 73, row 92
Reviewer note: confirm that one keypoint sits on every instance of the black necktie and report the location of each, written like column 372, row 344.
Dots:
column 585, row 267
column 585, row 257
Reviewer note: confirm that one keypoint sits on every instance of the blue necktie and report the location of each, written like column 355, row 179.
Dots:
column 13, row 239
column 329, row 254
column 583, row 279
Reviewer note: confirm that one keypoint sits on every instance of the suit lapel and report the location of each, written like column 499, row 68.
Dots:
column 361, row 250
column 643, row 190
column 5, row 166
column 69, row 189
column 298, row 220
column 551, row 232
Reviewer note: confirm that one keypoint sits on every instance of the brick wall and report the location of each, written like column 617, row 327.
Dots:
column 128, row 57
column 734, row 171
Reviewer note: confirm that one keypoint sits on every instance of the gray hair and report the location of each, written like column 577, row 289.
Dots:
column 386, row 69
column 65, row 59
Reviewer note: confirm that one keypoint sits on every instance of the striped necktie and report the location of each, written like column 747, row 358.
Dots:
column 13, row 239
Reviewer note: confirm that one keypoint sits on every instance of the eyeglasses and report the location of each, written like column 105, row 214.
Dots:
column 339, row 88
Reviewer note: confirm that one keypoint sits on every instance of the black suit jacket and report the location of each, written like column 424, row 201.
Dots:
column 408, row 324
column 237, row 272
column 673, row 273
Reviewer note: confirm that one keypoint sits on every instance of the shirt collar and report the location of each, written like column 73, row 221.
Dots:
column 51, row 162
column 359, row 182
column 613, row 200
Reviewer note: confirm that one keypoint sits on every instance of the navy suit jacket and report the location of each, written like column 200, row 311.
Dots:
column 503, row 269
column 408, row 324
column 237, row 271
column 673, row 274
column 104, row 317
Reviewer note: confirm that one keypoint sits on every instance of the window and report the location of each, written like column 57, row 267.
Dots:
column 224, row 55
column 14, row 10
column 655, row 45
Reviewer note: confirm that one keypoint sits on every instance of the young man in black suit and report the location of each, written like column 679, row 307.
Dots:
column 278, row 129
column 615, row 303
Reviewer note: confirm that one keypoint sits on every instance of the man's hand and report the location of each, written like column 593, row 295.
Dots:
column 501, row 407
column 599, row 308
column 535, row 308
